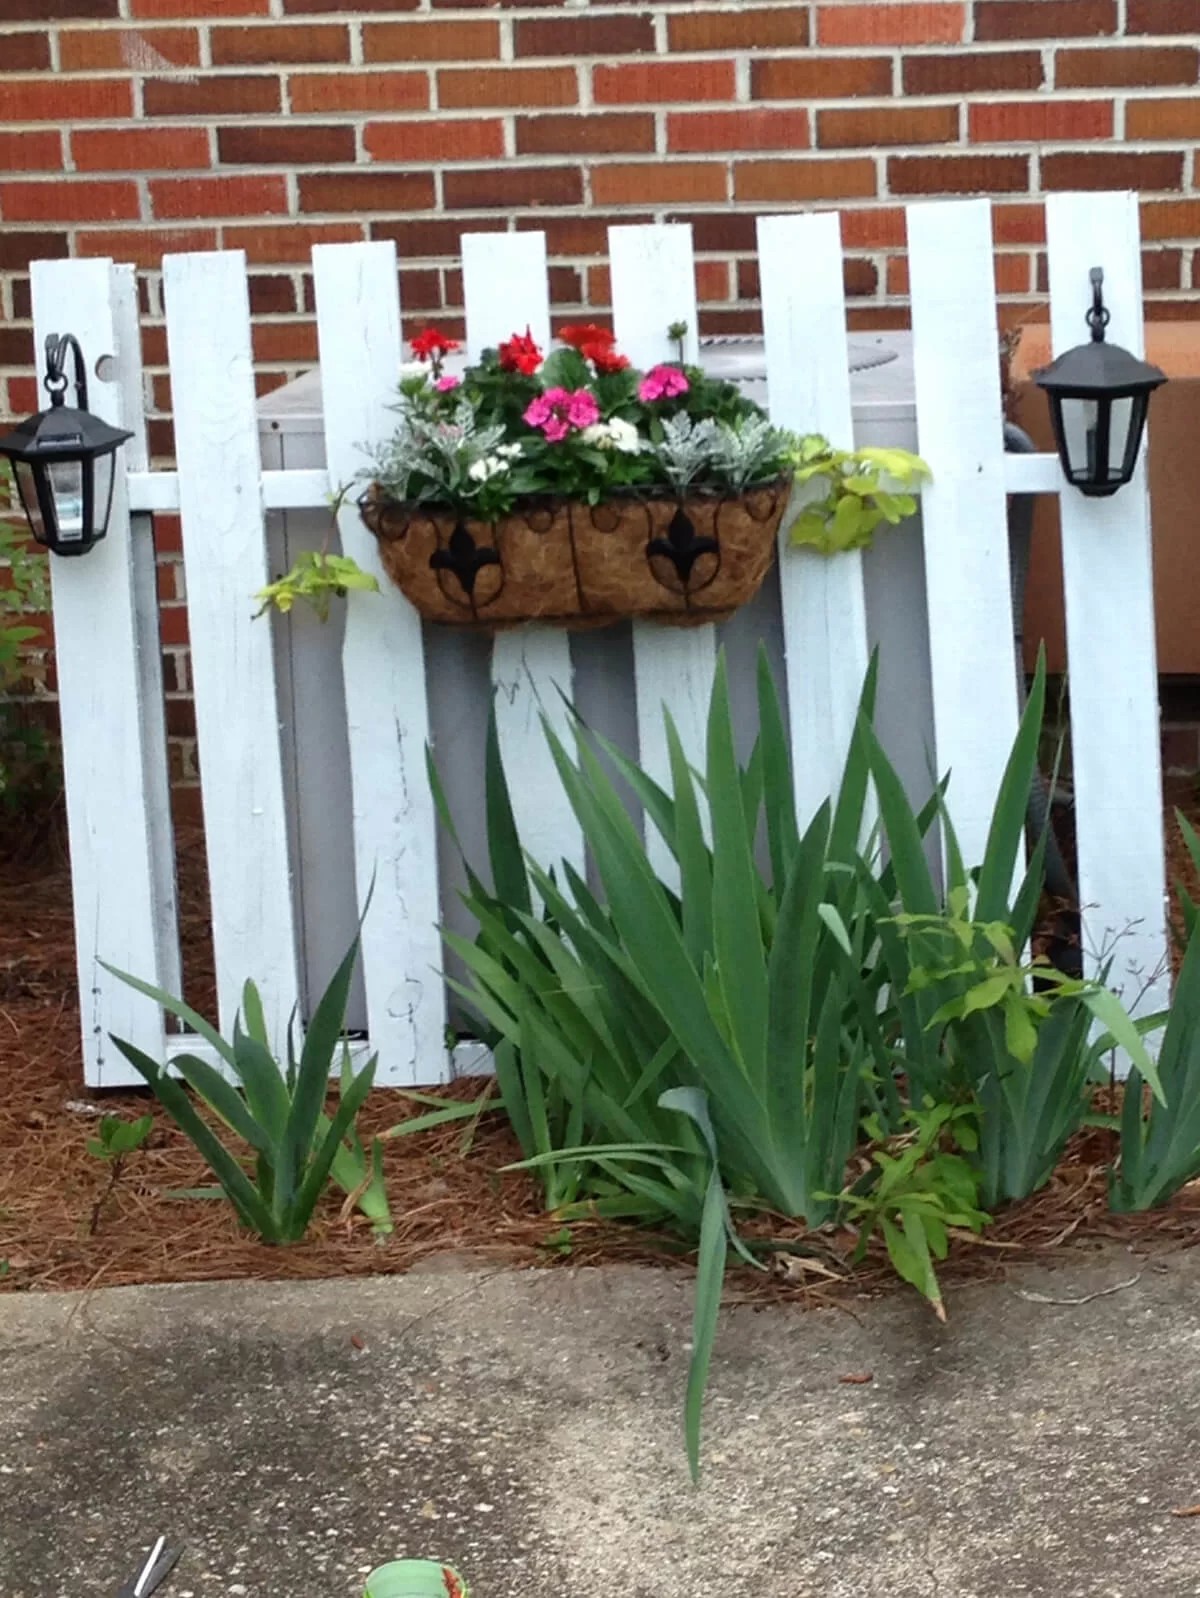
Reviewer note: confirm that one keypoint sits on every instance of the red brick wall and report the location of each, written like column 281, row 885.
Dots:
column 133, row 127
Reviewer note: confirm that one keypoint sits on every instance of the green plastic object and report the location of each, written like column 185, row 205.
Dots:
column 415, row 1578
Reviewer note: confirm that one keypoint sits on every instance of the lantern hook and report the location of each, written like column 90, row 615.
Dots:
column 55, row 381
column 1099, row 316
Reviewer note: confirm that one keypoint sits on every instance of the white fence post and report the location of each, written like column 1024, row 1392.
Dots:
column 224, row 548
column 1113, row 663
column 808, row 388
column 101, row 711
column 383, row 665
column 506, row 288
column 960, row 428
column 653, row 285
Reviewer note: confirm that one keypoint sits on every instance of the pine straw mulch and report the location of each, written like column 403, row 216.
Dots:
column 452, row 1202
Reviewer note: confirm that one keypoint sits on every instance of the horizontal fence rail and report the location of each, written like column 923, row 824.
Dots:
column 105, row 608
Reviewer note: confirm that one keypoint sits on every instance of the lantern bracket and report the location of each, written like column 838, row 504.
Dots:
column 1099, row 316
column 55, row 380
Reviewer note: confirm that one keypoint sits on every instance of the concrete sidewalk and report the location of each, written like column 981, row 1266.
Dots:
column 527, row 1427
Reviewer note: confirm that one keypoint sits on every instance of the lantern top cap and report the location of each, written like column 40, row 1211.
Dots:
column 1099, row 368
column 62, row 431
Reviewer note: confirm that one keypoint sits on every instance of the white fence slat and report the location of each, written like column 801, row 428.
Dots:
column 383, row 664
column 653, row 285
column 1107, row 575
column 130, row 376
column 506, row 289
column 808, row 384
column 224, row 548
column 964, row 509
column 100, row 707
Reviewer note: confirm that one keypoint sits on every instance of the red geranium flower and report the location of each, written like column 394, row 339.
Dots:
column 431, row 345
column 520, row 353
column 580, row 333
column 604, row 358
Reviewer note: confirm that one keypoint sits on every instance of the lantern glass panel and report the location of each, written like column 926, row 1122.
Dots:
column 1079, row 419
column 102, row 492
column 66, row 484
column 27, row 488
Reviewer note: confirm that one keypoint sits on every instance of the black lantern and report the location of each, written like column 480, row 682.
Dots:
column 1099, row 395
column 65, row 460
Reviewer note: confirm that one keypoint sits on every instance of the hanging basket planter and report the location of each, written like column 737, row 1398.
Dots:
column 679, row 559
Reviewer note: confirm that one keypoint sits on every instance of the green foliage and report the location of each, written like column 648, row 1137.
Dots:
column 1160, row 1134
column 275, row 1110
column 855, row 492
column 117, row 1137
column 316, row 578
column 919, row 1189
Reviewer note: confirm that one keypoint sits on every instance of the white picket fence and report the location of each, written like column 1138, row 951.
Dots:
column 106, row 623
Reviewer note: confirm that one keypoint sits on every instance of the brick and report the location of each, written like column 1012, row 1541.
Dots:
column 732, row 232
column 50, row 99
column 367, row 191
column 569, row 134
column 127, row 49
column 973, row 72
column 17, row 249
column 202, row 10
column 819, row 77
column 1173, row 310
column 718, row 131
column 958, row 174
column 145, row 247
column 656, row 183
column 423, row 40
column 417, row 237
column 582, row 235
column 1041, row 121
column 287, row 44
column 584, row 36
column 211, row 96
column 35, row 151
column 275, row 245
column 804, row 180
column 1006, row 20
column 286, row 144
column 663, row 82
column 776, row 28
column 1019, row 224
column 1112, row 170
column 180, row 199
column 917, row 23
column 467, row 139
column 133, row 149
column 1162, row 269
column 521, row 87
column 24, row 52
column 862, row 129
column 358, row 91
column 293, row 341
column 1162, row 219
column 309, row 8
column 1131, row 66
column 1163, row 119
column 878, row 227
column 512, row 186
column 1162, row 16
column 58, row 10
column 58, row 200
column 271, row 294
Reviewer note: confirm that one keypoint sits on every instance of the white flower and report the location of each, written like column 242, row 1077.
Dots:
column 413, row 369
column 490, row 466
column 617, row 434
column 510, row 451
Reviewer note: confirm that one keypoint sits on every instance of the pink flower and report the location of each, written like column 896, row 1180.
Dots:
column 582, row 410
column 445, row 385
column 662, row 382
column 559, row 411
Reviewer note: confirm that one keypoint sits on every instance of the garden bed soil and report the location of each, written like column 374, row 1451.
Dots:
column 451, row 1199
